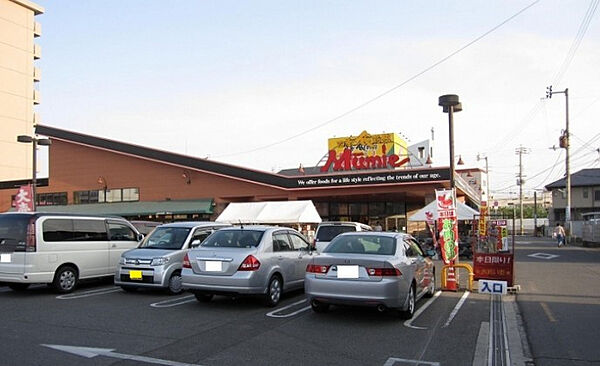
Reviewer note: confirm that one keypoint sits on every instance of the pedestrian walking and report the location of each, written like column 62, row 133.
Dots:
column 559, row 234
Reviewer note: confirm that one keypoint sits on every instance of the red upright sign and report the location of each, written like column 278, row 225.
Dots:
column 23, row 200
column 493, row 266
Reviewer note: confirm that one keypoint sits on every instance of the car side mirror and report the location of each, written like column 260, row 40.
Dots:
column 195, row 243
column 430, row 253
column 140, row 237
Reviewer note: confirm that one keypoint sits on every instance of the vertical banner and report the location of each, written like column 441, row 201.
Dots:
column 447, row 224
column 23, row 199
column 483, row 213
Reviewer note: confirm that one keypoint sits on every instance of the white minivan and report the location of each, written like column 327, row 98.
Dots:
column 61, row 249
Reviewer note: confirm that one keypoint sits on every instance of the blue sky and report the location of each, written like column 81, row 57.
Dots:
column 220, row 78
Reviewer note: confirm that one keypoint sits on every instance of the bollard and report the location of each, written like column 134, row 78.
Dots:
column 446, row 286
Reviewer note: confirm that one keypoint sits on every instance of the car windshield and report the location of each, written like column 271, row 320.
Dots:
column 234, row 239
column 166, row 238
column 327, row 233
column 356, row 244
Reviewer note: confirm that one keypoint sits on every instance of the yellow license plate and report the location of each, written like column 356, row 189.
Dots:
column 135, row 275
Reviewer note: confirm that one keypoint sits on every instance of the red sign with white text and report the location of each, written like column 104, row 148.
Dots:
column 23, row 199
column 493, row 266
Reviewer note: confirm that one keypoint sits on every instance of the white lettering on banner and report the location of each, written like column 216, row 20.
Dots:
column 369, row 179
column 492, row 287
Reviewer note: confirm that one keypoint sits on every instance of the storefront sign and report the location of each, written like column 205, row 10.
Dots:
column 391, row 177
column 348, row 160
column 493, row 266
column 447, row 224
column 23, row 199
column 366, row 151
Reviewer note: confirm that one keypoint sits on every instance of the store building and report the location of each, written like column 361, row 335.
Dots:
column 19, row 77
column 368, row 178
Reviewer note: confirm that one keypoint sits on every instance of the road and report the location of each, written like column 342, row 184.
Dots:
column 559, row 301
column 149, row 326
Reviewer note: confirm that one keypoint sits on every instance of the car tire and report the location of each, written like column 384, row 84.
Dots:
column 410, row 308
column 129, row 288
column 319, row 307
column 274, row 290
column 202, row 297
column 175, row 287
column 431, row 288
column 18, row 286
column 65, row 279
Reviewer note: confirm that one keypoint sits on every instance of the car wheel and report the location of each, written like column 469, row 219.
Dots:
column 410, row 308
column 319, row 307
column 129, row 288
column 202, row 297
column 18, row 286
column 175, row 284
column 431, row 288
column 65, row 279
column 274, row 290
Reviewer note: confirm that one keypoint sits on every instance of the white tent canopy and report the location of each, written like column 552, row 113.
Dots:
column 276, row 212
column 463, row 212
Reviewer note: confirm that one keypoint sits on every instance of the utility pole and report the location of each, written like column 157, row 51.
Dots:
column 564, row 143
column 520, row 151
column 487, row 176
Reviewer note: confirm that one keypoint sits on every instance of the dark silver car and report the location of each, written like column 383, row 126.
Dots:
column 158, row 259
column 383, row 270
column 249, row 260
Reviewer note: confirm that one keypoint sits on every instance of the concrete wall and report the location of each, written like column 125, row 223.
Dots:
column 17, row 25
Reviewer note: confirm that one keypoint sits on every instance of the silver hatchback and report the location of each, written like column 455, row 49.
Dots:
column 249, row 260
column 383, row 270
column 158, row 259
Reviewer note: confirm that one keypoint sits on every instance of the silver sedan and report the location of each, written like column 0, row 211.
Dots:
column 383, row 270
column 252, row 260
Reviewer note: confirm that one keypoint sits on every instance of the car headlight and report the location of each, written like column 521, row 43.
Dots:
column 122, row 260
column 159, row 261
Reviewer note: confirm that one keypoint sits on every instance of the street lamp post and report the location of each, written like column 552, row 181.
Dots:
column 35, row 142
column 564, row 143
column 450, row 104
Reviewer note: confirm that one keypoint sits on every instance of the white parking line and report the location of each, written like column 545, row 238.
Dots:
column 273, row 314
column 83, row 294
column 392, row 361
column 456, row 308
column 173, row 302
column 408, row 323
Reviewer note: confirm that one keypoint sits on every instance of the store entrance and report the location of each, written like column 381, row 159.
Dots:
column 395, row 223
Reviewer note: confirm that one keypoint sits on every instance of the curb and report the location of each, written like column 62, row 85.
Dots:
column 518, row 345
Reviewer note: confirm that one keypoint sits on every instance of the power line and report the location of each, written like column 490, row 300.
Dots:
column 364, row 104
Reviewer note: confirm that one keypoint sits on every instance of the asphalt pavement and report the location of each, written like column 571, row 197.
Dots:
column 100, row 324
column 559, row 301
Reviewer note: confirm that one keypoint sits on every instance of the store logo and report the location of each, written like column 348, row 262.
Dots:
column 348, row 160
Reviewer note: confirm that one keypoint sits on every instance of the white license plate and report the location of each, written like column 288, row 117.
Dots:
column 5, row 258
column 214, row 266
column 347, row 271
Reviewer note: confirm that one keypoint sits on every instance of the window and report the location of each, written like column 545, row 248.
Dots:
column 238, row 238
column 166, row 238
column 113, row 195
column 51, row 199
column 596, row 195
column 298, row 242
column 585, row 192
column 131, row 194
column 120, row 232
column 89, row 230
column 82, row 197
column 201, row 235
column 281, row 242
column 367, row 244
column 415, row 247
column 57, row 230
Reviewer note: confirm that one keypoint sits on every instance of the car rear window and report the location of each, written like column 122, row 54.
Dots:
column 354, row 244
column 234, row 239
column 327, row 233
column 13, row 232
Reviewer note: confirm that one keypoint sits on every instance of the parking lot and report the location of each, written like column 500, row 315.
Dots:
column 40, row 327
